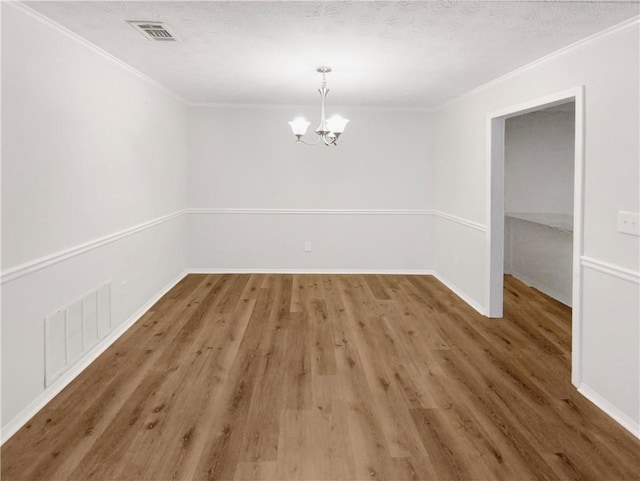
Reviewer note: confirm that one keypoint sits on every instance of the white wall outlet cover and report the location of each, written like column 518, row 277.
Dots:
column 629, row 222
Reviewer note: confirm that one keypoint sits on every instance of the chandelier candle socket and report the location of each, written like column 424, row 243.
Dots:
column 329, row 130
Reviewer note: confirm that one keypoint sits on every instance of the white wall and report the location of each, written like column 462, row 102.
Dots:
column 92, row 155
column 95, row 164
column 538, row 164
column 538, row 178
column 541, row 256
column 608, row 68
column 246, row 158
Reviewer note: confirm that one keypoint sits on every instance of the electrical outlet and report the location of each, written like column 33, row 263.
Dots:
column 123, row 288
column 629, row 222
column 307, row 246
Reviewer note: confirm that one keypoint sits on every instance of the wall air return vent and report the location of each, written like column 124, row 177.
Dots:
column 74, row 330
column 156, row 31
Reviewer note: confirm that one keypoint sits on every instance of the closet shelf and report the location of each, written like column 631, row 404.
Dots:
column 562, row 222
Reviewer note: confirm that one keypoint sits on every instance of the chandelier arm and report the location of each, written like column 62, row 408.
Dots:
column 329, row 139
column 308, row 143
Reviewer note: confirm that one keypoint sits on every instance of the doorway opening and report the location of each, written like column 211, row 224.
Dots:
column 535, row 219
column 538, row 199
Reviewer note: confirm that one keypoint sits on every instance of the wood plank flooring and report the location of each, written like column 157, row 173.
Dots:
column 328, row 377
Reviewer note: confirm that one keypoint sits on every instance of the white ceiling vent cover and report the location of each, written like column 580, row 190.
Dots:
column 156, row 31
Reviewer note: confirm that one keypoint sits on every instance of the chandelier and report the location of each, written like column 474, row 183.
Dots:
column 329, row 130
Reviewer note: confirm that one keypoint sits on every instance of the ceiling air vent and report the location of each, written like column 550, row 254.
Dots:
column 156, row 31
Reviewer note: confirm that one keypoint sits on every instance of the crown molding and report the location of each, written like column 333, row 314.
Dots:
column 19, row 6
column 366, row 108
column 608, row 32
column 43, row 19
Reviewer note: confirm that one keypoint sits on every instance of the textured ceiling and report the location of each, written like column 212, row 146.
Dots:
column 391, row 54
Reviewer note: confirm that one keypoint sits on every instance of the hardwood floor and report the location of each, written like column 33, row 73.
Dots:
column 341, row 377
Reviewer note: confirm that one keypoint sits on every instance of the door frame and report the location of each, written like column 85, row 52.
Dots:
column 495, row 210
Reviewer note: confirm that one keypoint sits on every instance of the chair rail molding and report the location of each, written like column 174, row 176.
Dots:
column 611, row 269
column 34, row 265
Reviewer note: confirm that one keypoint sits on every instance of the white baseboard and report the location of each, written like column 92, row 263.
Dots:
column 410, row 272
column 262, row 270
column 45, row 397
column 541, row 288
column 54, row 389
column 613, row 412
column 461, row 294
column 261, row 211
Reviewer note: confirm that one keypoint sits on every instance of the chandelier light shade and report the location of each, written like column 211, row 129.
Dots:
column 337, row 124
column 329, row 130
column 299, row 127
